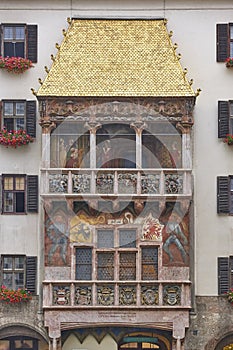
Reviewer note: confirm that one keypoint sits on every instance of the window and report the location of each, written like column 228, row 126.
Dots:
column 19, row 271
column 19, row 194
column 225, row 274
column 224, row 41
column 225, row 194
column 19, row 114
column 225, row 118
column 19, row 40
column 117, row 255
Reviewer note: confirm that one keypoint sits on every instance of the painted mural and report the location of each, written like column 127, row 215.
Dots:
column 170, row 230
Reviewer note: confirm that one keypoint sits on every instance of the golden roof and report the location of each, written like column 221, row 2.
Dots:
column 116, row 58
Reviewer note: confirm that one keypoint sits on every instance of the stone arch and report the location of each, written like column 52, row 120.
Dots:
column 218, row 344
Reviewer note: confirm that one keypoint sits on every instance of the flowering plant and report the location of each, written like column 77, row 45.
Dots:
column 229, row 295
column 229, row 62
column 14, row 138
column 11, row 296
column 228, row 139
column 15, row 64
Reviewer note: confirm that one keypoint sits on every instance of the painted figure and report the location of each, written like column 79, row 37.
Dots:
column 58, row 234
column 176, row 237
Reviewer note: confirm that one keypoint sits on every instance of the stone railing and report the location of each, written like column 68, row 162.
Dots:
column 134, row 182
column 98, row 294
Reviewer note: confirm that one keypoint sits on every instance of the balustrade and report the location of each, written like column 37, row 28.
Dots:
column 162, row 182
column 104, row 294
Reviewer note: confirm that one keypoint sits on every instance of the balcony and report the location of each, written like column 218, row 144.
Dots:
column 101, row 294
column 116, row 182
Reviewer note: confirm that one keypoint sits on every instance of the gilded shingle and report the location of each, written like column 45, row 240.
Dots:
column 116, row 58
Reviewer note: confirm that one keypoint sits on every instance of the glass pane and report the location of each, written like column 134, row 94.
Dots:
column 19, row 33
column 8, row 123
column 20, row 108
column 127, row 266
column 8, row 108
column 105, row 266
column 84, row 264
column 8, row 33
column 19, row 183
column 8, row 262
column 105, row 239
column 8, row 183
column 19, row 280
column 8, row 280
column 149, row 263
column 8, row 202
column 19, row 49
column 19, row 123
column 19, row 205
column 19, row 262
column 231, row 49
column 127, row 238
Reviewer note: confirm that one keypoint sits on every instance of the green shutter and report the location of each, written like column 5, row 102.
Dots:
column 223, row 275
column 31, row 273
column 223, row 118
column 32, row 43
column 31, row 118
column 32, row 193
column 222, row 49
column 222, row 195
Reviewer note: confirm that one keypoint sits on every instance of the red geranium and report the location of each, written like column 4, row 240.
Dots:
column 14, row 138
column 11, row 296
column 15, row 64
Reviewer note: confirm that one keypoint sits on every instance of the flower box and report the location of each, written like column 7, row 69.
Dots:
column 11, row 296
column 228, row 139
column 14, row 138
column 229, row 62
column 15, row 65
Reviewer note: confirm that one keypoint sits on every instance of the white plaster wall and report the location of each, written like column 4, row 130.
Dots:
column 194, row 26
column 90, row 343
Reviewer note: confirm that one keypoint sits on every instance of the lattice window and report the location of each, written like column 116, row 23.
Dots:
column 127, row 269
column 127, row 238
column 84, row 264
column 105, row 239
column 105, row 266
column 149, row 263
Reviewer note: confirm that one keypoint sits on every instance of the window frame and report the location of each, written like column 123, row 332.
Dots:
column 30, row 271
column 14, row 191
column 30, row 40
column 13, row 271
column 31, row 194
column 14, row 115
column 14, row 40
column 116, row 251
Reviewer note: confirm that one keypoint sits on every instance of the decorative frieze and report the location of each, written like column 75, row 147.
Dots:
column 174, row 183
column 58, row 183
column 81, row 183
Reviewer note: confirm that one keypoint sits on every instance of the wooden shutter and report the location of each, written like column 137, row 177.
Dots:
column 31, row 273
column 31, row 118
column 32, row 43
column 32, row 193
column 222, row 42
column 1, row 105
column 1, row 195
column 223, row 118
column 1, row 40
column 222, row 194
column 223, row 275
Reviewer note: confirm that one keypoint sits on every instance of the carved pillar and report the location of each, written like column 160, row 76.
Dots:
column 186, row 144
column 47, row 126
column 138, row 127
column 93, row 127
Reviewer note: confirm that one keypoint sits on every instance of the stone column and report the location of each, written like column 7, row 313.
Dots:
column 93, row 127
column 47, row 126
column 138, row 127
column 186, row 145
